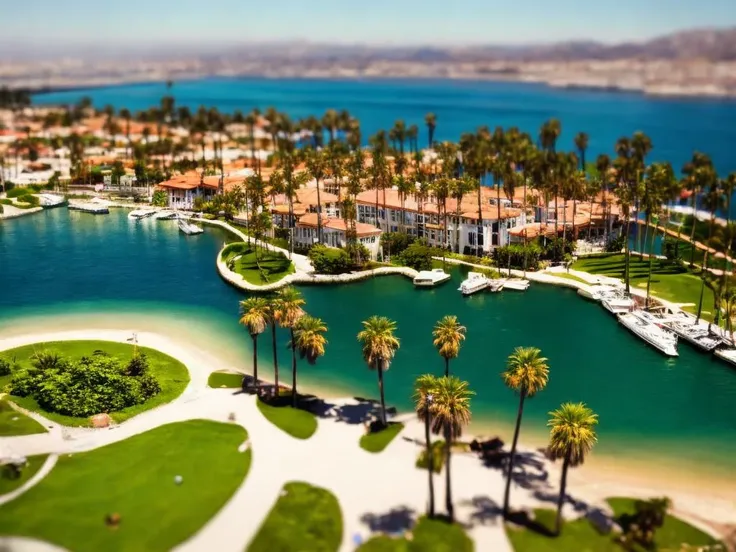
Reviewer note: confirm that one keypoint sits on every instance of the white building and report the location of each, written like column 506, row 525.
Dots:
column 334, row 233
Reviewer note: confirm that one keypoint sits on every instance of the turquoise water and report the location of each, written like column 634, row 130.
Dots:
column 677, row 127
column 64, row 269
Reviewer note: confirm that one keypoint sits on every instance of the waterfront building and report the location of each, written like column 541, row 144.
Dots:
column 334, row 233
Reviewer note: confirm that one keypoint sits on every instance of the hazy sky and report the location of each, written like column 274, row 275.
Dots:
column 60, row 23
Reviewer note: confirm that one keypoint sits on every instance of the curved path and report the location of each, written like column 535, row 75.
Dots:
column 374, row 490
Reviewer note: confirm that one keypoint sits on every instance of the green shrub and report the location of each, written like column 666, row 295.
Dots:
column 4, row 367
column 95, row 384
column 519, row 256
column 616, row 244
column 394, row 243
column 160, row 199
column 417, row 256
column 556, row 248
column 329, row 260
column 17, row 191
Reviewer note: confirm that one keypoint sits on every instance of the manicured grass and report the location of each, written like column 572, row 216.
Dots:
column 673, row 534
column 429, row 535
column 294, row 421
column 670, row 282
column 266, row 267
column 134, row 479
column 567, row 276
column 225, row 379
column 170, row 373
column 379, row 440
column 304, row 519
column 13, row 422
column 34, row 464
column 582, row 536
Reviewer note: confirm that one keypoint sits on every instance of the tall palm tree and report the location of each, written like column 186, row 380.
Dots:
column 289, row 302
column 658, row 182
column 424, row 390
column 572, row 436
column 379, row 347
column 317, row 167
column 430, row 119
column 581, row 143
column 309, row 340
column 448, row 336
column 451, row 413
column 603, row 167
column 526, row 373
column 255, row 317
column 272, row 312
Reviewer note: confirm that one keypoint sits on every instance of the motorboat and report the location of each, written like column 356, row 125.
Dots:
column 430, row 278
column 599, row 292
column 475, row 282
column 494, row 286
column 619, row 304
column 517, row 284
column 696, row 334
column 164, row 215
column 48, row 201
column 729, row 355
column 92, row 208
column 188, row 228
column 139, row 214
column 661, row 339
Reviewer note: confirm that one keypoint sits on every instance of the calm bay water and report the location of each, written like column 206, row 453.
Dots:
column 677, row 127
column 64, row 269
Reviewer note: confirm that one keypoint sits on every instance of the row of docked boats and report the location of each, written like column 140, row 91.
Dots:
column 661, row 328
column 184, row 225
column 474, row 283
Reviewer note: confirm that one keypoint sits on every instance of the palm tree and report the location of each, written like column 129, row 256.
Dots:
column 272, row 312
column 603, row 167
column 254, row 317
column 430, row 119
column 660, row 177
column 581, row 143
column 424, row 390
column 448, row 336
column 288, row 311
column 451, row 413
column 572, row 436
column 379, row 346
column 317, row 167
column 309, row 340
column 527, row 373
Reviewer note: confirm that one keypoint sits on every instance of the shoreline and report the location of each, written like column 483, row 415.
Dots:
column 698, row 494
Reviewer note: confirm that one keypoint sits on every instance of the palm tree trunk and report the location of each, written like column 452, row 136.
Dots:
column 692, row 232
column 702, row 286
column 448, row 484
column 430, row 461
column 293, row 369
column 380, row 389
column 498, row 210
column 626, row 255
column 561, row 498
column 510, row 471
column 319, row 214
column 255, row 362
column 275, row 358
column 574, row 212
column 447, row 367
column 478, row 246
column 651, row 258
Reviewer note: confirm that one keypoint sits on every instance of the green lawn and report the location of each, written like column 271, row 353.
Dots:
column 34, row 464
column 669, row 282
column 429, row 535
column 379, row 440
column 134, row 479
column 225, row 379
column 567, row 276
column 265, row 268
column 304, row 519
column 294, row 421
column 582, row 536
column 170, row 373
column 13, row 422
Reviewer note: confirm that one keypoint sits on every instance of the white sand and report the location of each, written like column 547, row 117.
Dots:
column 370, row 487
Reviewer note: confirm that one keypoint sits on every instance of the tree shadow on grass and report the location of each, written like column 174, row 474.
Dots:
column 395, row 521
column 484, row 510
column 522, row 519
column 361, row 412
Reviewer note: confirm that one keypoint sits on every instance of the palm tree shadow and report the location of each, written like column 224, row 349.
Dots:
column 395, row 521
column 361, row 412
column 522, row 519
column 485, row 510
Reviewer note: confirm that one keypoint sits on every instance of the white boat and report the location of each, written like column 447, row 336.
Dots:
column 696, row 335
column 663, row 340
column 92, row 208
column 494, row 286
column 517, row 284
column 48, row 201
column 599, row 292
column 189, row 228
column 164, row 215
column 619, row 304
column 139, row 214
column 475, row 282
column 429, row 278
column 729, row 355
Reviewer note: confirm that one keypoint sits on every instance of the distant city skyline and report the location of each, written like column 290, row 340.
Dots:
column 60, row 27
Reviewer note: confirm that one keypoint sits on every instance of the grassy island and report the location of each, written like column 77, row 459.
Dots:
column 230, row 380
column 376, row 441
column 427, row 535
column 13, row 422
column 257, row 266
column 125, row 496
column 126, row 382
column 298, row 423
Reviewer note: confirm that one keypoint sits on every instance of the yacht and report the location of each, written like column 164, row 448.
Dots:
column 188, row 228
column 599, row 292
column 475, row 282
column 729, row 355
column 517, row 284
column 695, row 334
column 165, row 215
column 494, row 286
column 430, row 278
column 659, row 338
column 619, row 304
column 92, row 208
column 139, row 214
column 48, row 201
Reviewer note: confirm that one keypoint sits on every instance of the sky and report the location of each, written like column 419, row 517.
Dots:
column 60, row 24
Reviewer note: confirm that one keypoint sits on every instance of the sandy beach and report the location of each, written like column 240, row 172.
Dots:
column 398, row 484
